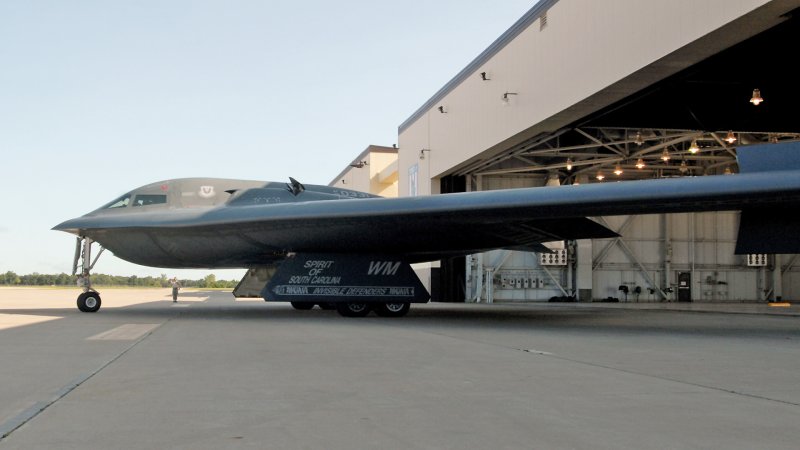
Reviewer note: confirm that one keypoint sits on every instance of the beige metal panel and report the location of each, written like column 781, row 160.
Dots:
column 348, row 179
column 376, row 174
column 386, row 184
column 414, row 143
column 388, row 174
column 586, row 48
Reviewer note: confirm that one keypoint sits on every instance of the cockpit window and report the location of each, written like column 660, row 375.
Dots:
column 119, row 203
column 144, row 200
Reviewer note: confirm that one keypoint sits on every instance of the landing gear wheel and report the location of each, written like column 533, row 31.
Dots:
column 302, row 306
column 89, row 302
column 327, row 306
column 390, row 309
column 352, row 309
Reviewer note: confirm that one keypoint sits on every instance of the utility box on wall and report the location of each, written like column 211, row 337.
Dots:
column 756, row 260
column 556, row 258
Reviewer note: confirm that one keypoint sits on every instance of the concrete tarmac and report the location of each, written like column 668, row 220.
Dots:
column 211, row 373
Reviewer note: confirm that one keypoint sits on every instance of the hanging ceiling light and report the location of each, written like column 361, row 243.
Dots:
column 600, row 176
column 618, row 170
column 730, row 138
column 756, row 99
column 728, row 171
column 683, row 167
column 694, row 148
column 569, row 163
column 640, row 163
column 665, row 155
column 639, row 140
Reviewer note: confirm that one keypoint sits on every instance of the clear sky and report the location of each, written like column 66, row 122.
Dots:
column 100, row 97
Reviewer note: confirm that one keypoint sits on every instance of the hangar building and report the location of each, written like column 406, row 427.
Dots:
column 579, row 91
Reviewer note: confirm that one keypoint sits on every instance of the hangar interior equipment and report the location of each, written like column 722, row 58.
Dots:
column 577, row 92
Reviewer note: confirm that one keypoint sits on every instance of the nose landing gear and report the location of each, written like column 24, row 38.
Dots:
column 89, row 300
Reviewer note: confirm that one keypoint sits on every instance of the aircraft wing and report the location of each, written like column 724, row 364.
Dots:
column 432, row 227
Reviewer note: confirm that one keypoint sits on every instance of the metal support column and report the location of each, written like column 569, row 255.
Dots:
column 667, row 256
column 584, row 278
column 777, row 279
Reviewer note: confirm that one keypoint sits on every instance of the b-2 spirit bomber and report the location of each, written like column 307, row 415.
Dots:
column 353, row 251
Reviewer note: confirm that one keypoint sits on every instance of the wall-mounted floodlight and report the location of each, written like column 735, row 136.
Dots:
column 422, row 153
column 485, row 76
column 505, row 97
column 442, row 110
column 359, row 164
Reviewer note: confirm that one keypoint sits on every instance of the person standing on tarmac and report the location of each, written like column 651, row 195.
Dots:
column 176, row 286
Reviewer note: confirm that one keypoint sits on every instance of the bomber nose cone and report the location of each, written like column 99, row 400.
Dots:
column 70, row 226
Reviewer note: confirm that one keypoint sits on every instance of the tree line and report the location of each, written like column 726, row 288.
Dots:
column 62, row 279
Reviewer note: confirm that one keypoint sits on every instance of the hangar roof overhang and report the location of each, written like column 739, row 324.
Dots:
column 698, row 94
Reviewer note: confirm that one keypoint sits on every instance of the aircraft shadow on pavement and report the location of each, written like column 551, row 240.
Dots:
column 444, row 316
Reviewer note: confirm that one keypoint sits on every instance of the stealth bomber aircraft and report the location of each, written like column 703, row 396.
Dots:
column 352, row 251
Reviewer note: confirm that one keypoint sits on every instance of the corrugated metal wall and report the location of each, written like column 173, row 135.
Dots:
column 654, row 251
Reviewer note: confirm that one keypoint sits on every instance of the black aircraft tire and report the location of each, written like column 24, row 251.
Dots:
column 353, row 309
column 302, row 306
column 329, row 306
column 89, row 302
column 392, row 309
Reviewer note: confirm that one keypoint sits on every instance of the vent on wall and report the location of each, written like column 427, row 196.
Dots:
column 543, row 21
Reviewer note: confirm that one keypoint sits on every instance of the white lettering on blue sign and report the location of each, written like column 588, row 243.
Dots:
column 383, row 267
column 344, row 291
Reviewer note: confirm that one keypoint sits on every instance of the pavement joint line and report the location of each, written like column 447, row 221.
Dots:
column 535, row 352
column 673, row 380
column 616, row 369
column 11, row 425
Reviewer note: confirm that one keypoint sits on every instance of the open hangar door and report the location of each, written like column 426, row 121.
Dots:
column 689, row 124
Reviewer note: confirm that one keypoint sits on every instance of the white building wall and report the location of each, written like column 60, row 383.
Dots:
column 586, row 48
